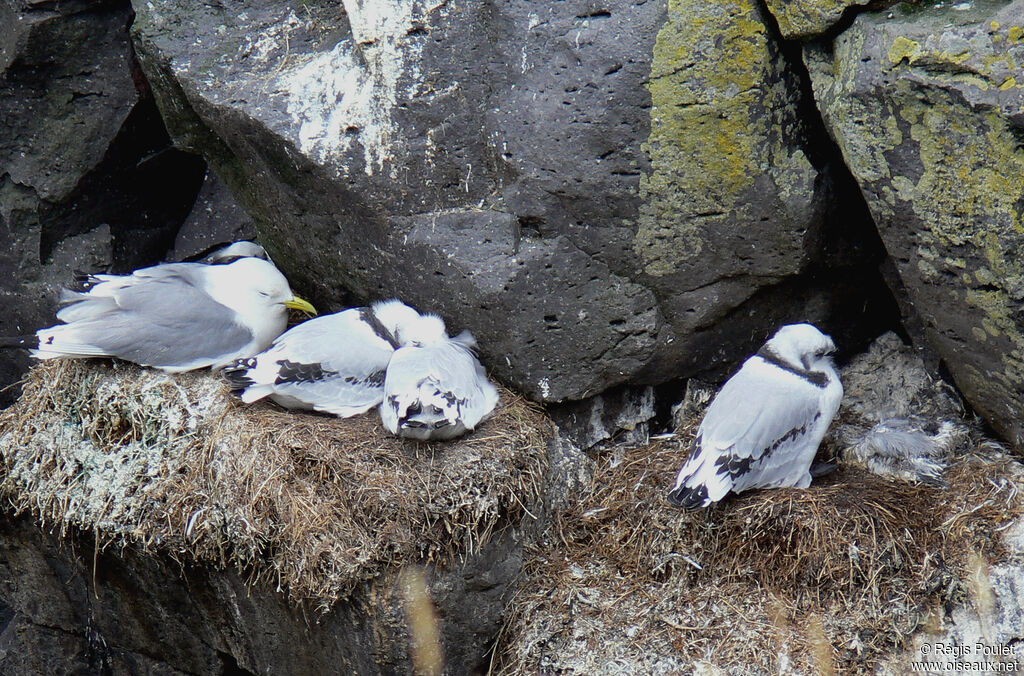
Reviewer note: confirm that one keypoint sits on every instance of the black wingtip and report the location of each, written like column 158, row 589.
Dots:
column 198, row 257
column 83, row 281
column 237, row 374
column 29, row 342
column 688, row 498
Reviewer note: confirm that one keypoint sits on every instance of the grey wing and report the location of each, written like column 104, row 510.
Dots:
column 159, row 319
column 752, row 431
column 334, row 363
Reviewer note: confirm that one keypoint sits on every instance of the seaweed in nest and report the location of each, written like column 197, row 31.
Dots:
column 310, row 504
column 828, row 579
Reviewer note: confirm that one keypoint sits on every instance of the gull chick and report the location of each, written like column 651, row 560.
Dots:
column 763, row 428
column 435, row 388
column 175, row 317
column 333, row 364
column 901, row 449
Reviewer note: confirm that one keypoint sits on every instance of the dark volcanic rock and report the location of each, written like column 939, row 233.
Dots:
column 928, row 111
column 626, row 410
column 595, row 191
column 78, row 611
column 216, row 217
column 81, row 145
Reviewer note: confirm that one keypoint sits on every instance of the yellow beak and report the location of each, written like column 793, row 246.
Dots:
column 297, row 303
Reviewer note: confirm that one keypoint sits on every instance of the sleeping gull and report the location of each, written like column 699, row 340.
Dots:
column 333, row 364
column 764, row 426
column 175, row 317
column 436, row 388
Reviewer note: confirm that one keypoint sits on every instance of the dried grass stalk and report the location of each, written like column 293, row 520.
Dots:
column 310, row 504
column 624, row 581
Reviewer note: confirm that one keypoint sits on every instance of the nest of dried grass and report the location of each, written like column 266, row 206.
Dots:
column 312, row 504
column 825, row 580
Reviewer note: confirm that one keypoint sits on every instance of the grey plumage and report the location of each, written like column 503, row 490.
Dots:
column 898, row 448
column 176, row 317
column 142, row 323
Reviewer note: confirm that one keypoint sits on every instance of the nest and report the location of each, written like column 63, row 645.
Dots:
column 312, row 504
column 825, row 580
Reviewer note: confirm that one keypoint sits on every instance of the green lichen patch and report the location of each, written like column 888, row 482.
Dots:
column 724, row 143
column 805, row 19
column 927, row 121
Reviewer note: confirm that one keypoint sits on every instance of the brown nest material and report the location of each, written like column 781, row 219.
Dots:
column 824, row 580
column 311, row 504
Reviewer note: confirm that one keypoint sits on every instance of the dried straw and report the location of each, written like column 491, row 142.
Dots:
column 310, row 504
column 827, row 579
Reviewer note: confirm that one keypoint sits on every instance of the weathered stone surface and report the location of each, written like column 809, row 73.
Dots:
column 927, row 110
column 492, row 163
column 140, row 614
column 28, row 648
column 216, row 217
column 621, row 414
column 80, row 146
column 803, row 19
column 730, row 172
column 742, row 194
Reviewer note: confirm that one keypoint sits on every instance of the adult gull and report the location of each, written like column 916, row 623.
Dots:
column 175, row 317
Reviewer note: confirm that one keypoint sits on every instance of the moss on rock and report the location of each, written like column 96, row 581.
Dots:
column 926, row 109
column 731, row 190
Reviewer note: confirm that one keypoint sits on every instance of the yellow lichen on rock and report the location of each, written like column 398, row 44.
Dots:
column 902, row 48
column 925, row 108
column 716, row 118
column 803, row 19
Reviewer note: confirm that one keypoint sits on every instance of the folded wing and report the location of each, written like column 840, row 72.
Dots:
column 333, row 364
column 157, row 317
column 757, row 432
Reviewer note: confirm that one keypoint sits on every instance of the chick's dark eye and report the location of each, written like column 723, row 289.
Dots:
column 264, row 294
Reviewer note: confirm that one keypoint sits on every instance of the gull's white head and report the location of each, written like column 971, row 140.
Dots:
column 407, row 325
column 394, row 314
column 801, row 345
column 427, row 330
column 253, row 286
